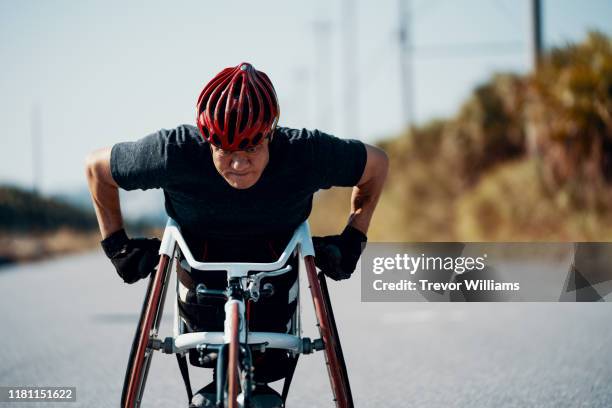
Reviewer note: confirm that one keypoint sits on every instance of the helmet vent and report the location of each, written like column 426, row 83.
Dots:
column 255, row 101
column 237, row 88
column 266, row 112
column 233, row 119
column 221, row 110
column 257, row 138
column 243, row 143
column 245, row 115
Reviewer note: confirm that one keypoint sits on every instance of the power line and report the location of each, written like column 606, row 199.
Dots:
column 351, row 79
column 469, row 49
column 379, row 56
column 322, row 30
column 505, row 12
column 405, row 60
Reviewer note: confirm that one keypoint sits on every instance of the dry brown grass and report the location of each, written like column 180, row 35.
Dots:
column 21, row 247
column 511, row 203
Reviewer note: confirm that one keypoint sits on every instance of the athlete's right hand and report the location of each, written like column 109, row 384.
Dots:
column 133, row 259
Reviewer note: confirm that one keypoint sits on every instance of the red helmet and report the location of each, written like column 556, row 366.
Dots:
column 238, row 108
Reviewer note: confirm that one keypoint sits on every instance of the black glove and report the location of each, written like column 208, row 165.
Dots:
column 337, row 255
column 133, row 259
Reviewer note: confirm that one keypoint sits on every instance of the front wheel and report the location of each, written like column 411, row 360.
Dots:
column 233, row 371
column 148, row 325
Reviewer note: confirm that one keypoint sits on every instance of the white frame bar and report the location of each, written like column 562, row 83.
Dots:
column 188, row 341
column 182, row 342
column 172, row 236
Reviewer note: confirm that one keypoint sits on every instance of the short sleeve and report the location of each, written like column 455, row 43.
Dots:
column 141, row 164
column 338, row 162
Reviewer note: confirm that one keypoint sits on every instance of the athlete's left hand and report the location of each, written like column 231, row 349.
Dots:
column 337, row 255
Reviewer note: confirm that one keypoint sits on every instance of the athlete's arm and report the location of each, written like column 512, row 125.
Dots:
column 337, row 255
column 104, row 191
column 367, row 192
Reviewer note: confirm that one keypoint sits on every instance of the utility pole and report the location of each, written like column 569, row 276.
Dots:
column 536, row 33
column 405, row 59
column 351, row 79
column 323, row 58
column 35, row 138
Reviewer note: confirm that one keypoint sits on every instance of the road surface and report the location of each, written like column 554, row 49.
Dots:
column 70, row 322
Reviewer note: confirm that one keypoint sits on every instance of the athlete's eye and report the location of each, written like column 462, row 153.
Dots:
column 252, row 149
column 223, row 153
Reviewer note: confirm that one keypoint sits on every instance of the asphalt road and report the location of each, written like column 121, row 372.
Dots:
column 70, row 321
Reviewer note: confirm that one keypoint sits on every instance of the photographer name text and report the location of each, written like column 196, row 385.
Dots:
column 457, row 265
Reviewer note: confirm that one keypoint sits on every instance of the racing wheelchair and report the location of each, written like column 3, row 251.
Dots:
column 235, row 345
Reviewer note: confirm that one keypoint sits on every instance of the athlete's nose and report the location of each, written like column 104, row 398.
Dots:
column 239, row 162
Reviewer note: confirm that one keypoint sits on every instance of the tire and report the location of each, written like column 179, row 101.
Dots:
column 336, row 335
column 233, row 371
column 336, row 367
column 148, row 324
column 130, row 363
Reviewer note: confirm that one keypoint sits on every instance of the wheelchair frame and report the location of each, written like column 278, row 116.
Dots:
column 236, row 340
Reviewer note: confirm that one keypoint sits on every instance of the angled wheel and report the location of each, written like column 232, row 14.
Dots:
column 130, row 365
column 148, row 325
column 336, row 335
column 336, row 367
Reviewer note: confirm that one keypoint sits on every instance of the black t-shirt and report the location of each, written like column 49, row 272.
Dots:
column 180, row 162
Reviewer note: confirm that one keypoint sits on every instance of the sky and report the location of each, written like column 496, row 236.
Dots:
column 95, row 73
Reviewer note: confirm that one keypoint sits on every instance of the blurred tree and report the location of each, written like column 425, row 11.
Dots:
column 488, row 129
column 569, row 120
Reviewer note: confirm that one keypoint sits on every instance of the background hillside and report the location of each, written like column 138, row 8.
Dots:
column 525, row 158
column 34, row 227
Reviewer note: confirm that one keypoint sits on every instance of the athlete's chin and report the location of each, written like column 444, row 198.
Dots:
column 241, row 182
column 242, row 186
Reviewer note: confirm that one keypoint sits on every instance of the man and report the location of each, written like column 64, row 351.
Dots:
column 238, row 186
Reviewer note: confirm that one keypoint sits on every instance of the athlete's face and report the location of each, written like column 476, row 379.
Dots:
column 242, row 168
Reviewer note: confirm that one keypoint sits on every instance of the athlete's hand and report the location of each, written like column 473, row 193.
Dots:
column 337, row 255
column 133, row 259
